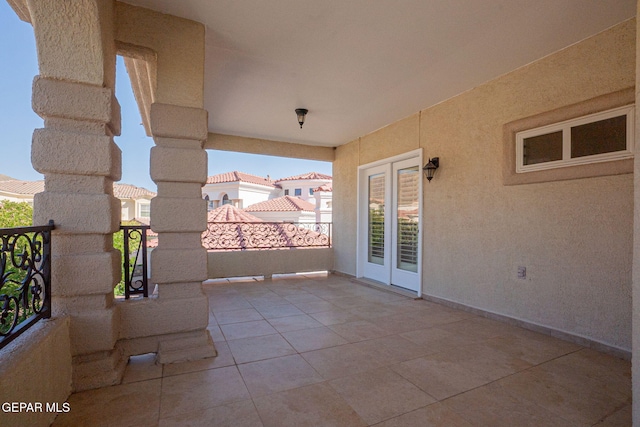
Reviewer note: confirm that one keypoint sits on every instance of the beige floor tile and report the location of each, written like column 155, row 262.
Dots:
column 373, row 310
column 274, row 311
column 142, row 368
column 334, row 316
column 438, row 340
column 313, row 339
column 491, row 363
column 439, row 376
column 341, row 361
column 576, row 399
column 392, row 349
column 294, row 323
column 434, row 415
column 237, row 316
column 216, row 333
column 311, row 406
column 493, row 406
column 399, row 323
column 227, row 303
column 613, row 374
column 620, row 418
column 267, row 301
column 310, row 307
column 255, row 328
column 237, row 414
column 128, row 405
column 348, row 301
column 480, row 327
column 533, row 349
column 278, row 374
column 224, row 358
column 304, row 296
column 259, row 348
column 358, row 330
column 380, row 394
column 198, row 391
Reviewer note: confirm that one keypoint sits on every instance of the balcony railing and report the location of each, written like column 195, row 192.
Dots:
column 25, row 279
column 230, row 236
column 134, row 260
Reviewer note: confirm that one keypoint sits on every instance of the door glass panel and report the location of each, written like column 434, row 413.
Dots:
column 376, row 219
column 408, row 218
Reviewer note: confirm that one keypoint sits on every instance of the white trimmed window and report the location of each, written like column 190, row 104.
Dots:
column 145, row 210
column 595, row 138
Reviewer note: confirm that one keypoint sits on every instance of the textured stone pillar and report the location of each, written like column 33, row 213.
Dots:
column 76, row 153
column 179, row 215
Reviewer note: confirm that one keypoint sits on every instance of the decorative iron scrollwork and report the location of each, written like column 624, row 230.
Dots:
column 266, row 235
column 25, row 279
column 134, row 260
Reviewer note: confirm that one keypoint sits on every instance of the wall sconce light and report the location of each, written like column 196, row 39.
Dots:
column 430, row 168
column 301, row 113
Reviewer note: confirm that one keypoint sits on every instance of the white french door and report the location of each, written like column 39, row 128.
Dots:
column 389, row 222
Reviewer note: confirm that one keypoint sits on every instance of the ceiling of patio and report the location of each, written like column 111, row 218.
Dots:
column 358, row 65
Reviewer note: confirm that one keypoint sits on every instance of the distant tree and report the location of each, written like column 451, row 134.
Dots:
column 15, row 214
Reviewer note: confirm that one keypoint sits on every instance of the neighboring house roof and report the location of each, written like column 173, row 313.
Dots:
column 325, row 187
column 229, row 213
column 22, row 187
column 282, row 204
column 128, row 191
column 236, row 176
column 310, row 175
column 231, row 229
column 121, row 191
column 6, row 178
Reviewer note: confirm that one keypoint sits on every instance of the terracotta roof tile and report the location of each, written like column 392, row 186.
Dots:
column 236, row 176
column 310, row 175
column 282, row 204
column 229, row 213
column 128, row 191
column 325, row 187
column 22, row 187
column 121, row 191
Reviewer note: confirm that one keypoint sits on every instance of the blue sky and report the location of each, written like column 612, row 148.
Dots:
column 18, row 66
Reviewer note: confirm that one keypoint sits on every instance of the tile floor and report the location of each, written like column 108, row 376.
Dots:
column 323, row 351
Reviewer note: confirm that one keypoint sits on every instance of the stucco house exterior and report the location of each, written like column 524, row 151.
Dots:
column 523, row 220
column 238, row 189
column 247, row 191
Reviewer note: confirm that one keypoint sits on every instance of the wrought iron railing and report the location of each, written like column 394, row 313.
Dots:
column 25, row 279
column 134, row 260
column 225, row 236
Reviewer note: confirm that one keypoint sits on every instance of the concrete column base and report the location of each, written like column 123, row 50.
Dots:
column 185, row 349
column 97, row 370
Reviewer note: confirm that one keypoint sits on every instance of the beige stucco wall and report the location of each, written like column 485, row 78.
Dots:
column 574, row 237
column 266, row 263
column 241, row 144
column 179, row 47
column 36, row 367
column 635, row 361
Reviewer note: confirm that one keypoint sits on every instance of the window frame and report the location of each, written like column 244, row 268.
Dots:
column 565, row 126
column 147, row 206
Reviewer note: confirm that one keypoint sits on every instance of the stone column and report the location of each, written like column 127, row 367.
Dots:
column 76, row 153
column 179, row 215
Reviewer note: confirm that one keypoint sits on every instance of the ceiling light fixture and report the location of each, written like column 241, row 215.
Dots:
column 301, row 113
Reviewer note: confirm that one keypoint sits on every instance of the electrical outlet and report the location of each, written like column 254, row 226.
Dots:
column 522, row 272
